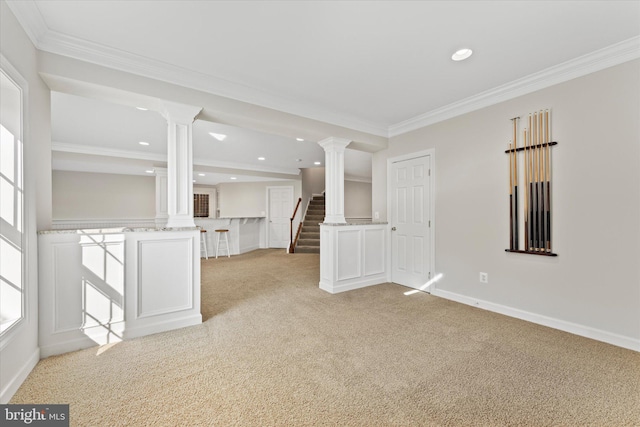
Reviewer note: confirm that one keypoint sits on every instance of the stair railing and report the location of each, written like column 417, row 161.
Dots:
column 291, row 242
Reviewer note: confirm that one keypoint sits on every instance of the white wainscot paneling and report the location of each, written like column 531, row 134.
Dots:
column 374, row 251
column 352, row 256
column 326, row 254
column 91, row 281
column 164, row 264
column 348, row 254
column 67, row 288
column 81, row 291
column 85, row 224
column 245, row 234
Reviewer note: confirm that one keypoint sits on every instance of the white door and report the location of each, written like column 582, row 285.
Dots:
column 280, row 210
column 411, row 222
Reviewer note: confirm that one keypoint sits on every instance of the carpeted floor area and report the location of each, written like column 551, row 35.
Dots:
column 275, row 350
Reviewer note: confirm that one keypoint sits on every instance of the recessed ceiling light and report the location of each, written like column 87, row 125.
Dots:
column 149, row 171
column 142, row 108
column 218, row 136
column 461, row 54
column 300, row 139
column 317, row 163
column 194, row 180
column 143, row 143
column 260, row 158
column 233, row 177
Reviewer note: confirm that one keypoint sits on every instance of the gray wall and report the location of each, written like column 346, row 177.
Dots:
column 595, row 280
column 81, row 195
column 357, row 199
column 313, row 182
column 357, row 195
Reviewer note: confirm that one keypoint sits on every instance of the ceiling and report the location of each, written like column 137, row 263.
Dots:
column 90, row 135
column 373, row 66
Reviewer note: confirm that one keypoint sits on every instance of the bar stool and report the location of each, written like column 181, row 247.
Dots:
column 203, row 243
column 223, row 232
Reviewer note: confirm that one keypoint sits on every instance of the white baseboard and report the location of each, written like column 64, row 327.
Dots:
column 164, row 326
column 562, row 325
column 246, row 249
column 351, row 285
column 76, row 344
column 14, row 383
column 66, row 346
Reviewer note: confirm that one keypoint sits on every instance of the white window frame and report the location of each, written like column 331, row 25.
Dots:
column 10, row 72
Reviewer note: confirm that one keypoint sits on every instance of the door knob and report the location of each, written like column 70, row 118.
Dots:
column 393, row 229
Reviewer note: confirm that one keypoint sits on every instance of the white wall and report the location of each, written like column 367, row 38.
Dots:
column 357, row 199
column 19, row 352
column 81, row 195
column 595, row 280
column 249, row 199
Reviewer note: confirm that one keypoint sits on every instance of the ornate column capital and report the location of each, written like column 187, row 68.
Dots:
column 334, row 144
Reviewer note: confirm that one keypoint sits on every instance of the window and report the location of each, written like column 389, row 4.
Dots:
column 12, row 234
column 200, row 205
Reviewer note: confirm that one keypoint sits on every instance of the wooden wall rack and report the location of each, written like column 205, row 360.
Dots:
column 531, row 202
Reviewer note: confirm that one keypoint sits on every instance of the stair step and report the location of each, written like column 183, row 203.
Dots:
column 308, row 242
column 307, row 250
column 308, row 235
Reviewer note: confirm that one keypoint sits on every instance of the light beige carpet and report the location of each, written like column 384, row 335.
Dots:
column 276, row 350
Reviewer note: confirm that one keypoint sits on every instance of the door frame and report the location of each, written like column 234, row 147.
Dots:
column 268, row 210
column 431, row 152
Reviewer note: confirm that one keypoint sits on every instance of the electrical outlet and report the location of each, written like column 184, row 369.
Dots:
column 376, row 215
column 484, row 278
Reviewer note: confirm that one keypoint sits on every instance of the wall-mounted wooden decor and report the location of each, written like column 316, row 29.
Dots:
column 535, row 197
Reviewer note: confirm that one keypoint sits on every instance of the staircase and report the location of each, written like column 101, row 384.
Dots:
column 309, row 241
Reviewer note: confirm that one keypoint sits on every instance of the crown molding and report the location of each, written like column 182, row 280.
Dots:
column 247, row 167
column 45, row 39
column 126, row 154
column 618, row 53
column 29, row 16
column 355, row 178
column 108, row 152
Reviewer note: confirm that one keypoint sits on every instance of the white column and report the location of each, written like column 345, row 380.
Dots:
column 162, row 197
column 180, row 118
column 334, row 179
